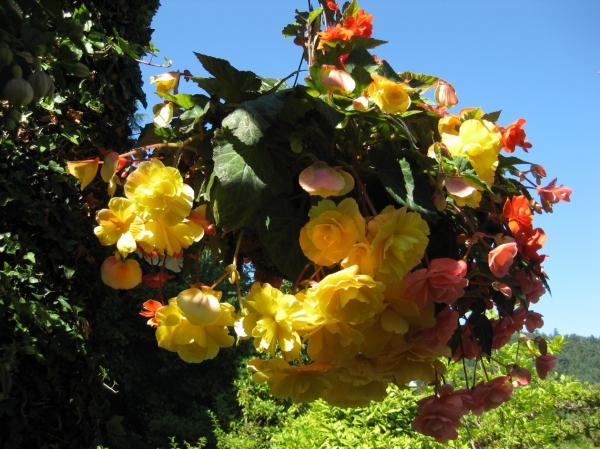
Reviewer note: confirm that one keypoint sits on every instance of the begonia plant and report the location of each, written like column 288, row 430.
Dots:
column 403, row 227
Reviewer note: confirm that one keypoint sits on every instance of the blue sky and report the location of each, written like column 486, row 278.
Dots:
column 537, row 60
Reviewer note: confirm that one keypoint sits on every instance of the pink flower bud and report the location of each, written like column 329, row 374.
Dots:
column 336, row 80
column 322, row 180
column 445, row 95
column 360, row 104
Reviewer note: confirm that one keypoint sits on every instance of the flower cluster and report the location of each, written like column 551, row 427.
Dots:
column 403, row 233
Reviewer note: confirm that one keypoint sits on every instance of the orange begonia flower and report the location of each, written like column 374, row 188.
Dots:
column 518, row 213
column 331, row 5
column 149, row 311
column 360, row 25
column 551, row 194
column 334, row 34
column 500, row 259
column 85, row 171
column 513, row 136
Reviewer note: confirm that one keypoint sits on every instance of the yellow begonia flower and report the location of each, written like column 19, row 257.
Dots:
column 119, row 224
column 272, row 318
column 165, row 82
column 388, row 95
column 159, row 193
column 332, row 231
column 85, row 171
column 194, row 343
column 120, row 274
column 360, row 255
column 163, row 114
column 302, row 383
column 344, row 394
column 169, row 239
column 333, row 340
column 449, row 125
column 347, row 296
column 480, row 143
column 398, row 242
column 109, row 167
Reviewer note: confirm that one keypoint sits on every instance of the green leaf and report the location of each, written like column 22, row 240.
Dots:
column 279, row 231
column 399, row 180
column 250, row 121
column 351, row 10
column 291, row 30
column 476, row 113
column 243, row 173
column 186, row 101
column 114, row 426
column 507, row 161
column 416, row 80
column 313, row 15
column 228, row 83
column 362, row 58
column 491, row 116
column 148, row 136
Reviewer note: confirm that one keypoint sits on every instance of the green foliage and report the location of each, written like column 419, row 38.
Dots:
column 558, row 412
column 53, row 391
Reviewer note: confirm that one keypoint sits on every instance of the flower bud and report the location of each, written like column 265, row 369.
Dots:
column 360, row 104
column 336, row 80
column 201, row 305
column 445, row 94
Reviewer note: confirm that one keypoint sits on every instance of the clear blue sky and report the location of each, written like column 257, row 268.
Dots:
column 534, row 59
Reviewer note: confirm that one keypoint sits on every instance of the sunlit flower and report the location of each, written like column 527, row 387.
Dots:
column 304, row 383
column 333, row 35
column 513, row 136
column 519, row 375
column 518, row 213
column 336, row 80
column 449, row 125
column 119, row 224
column 193, row 342
column 500, row 259
column 390, row 96
column 271, row 320
column 359, row 255
column 445, row 94
column 463, row 192
column 347, row 296
column 360, row 104
column 360, row 24
column 165, row 82
column 149, row 311
column 84, row 171
column 169, row 239
column 332, row 231
column 159, row 193
column 398, row 242
column 322, row 180
column 120, row 274
column 201, row 305
column 551, row 194
column 480, row 143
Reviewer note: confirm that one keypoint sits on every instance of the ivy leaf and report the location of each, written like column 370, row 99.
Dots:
column 250, row 121
column 279, row 231
column 243, row 173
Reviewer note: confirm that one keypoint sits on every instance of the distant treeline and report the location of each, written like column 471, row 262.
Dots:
column 581, row 358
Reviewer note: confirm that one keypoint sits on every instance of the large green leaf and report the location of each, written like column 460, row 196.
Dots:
column 229, row 83
column 250, row 121
column 280, row 233
column 402, row 181
column 243, row 173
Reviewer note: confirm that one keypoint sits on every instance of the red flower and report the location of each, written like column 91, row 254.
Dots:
column 331, row 5
column 514, row 136
column 361, row 24
column 156, row 280
column 551, row 194
column 151, row 306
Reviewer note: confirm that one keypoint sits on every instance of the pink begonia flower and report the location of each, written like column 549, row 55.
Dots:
column 544, row 364
column 520, row 376
column 504, row 289
column 442, row 282
column 505, row 327
column 492, row 394
column 438, row 419
column 360, row 104
column 500, row 259
column 531, row 286
column 446, row 324
column 551, row 194
column 445, row 94
column 534, row 321
column 322, row 180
